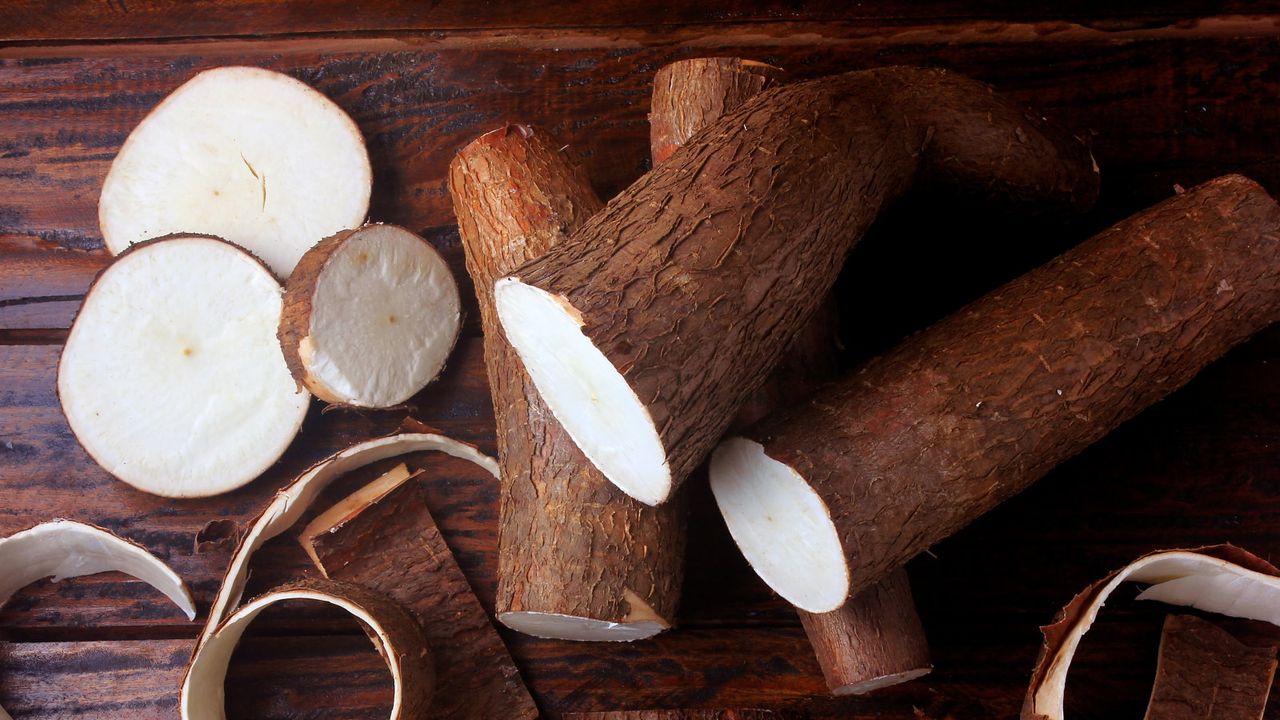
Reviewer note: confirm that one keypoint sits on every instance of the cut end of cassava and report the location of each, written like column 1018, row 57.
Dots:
column 585, row 392
column 880, row 683
column 370, row 317
column 243, row 153
column 583, row 629
column 172, row 378
column 781, row 525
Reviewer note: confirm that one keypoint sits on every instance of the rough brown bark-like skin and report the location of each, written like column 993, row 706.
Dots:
column 691, row 94
column 874, row 641
column 393, row 547
column 1204, row 672
column 877, row 634
column 695, row 279
column 569, row 541
column 923, row 440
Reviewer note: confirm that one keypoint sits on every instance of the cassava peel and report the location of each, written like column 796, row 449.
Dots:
column 1204, row 672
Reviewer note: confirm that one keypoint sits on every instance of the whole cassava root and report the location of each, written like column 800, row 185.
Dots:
column 876, row 639
column 649, row 328
column 577, row 558
column 920, row 441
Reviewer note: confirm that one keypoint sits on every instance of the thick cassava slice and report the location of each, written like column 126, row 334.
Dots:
column 172, row 378
column 829, row 496
column 243, row 153
column 370, row 316
column 648, row 329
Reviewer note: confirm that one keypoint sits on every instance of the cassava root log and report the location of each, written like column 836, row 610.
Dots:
column 646, row 331
column 577, row 558
column 876, row 639
column 1204, row 672
column 877, row 467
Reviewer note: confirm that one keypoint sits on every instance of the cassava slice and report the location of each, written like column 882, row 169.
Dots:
column 577, row 558
column 826, row 498
column 394, row 633
column 876, row 639
column 243, row 153
column 172, row 378
column 370, row 316
column 1204, row 672
column 646, row 331
column 384, row 538
column 1219, row 579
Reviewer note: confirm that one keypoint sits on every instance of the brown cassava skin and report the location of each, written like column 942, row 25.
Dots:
column 694, row 280
column 1204, row 672
column 966, row 414
column 877, row 634
column 569, row 542
column 393, row 546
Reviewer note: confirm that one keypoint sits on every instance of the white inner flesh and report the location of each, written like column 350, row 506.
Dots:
column 246, row 154
column 866, row 686
column 172, row 377
column 384, row 317
column 208, row 672
column 571, row 627
column 781, row 525
column 585, row 392
column 1179, row 578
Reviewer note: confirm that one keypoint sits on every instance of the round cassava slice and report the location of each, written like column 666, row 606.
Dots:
column 172, row 377
column 370, row 316
column 243, row 153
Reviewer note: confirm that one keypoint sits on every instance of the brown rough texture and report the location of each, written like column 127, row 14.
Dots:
column 1203, row 672
column 689, row 281
column 569, row 542
column 923, row 440
column 875, row 640
column 392, row 546
column 876, row 635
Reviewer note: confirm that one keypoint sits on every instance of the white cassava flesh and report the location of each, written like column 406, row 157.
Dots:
column 65, row 549
column 370, row 317
column 396, row 636
column 640, row 624
column 585, row 392
column 243, row 153
column 1192, row 578
column 172, row 378
column 283, row 511
column 781, row 525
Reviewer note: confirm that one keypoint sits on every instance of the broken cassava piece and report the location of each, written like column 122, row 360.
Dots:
column 876, row 639
column 1204, row 672
column 384, row 538
column 394, row 633
column 370, row 316
column 243, row 153
column 62, row 549
column 1220, row 579
column 646, row 331
column 828, row 497
column 171, row 377
column 577, row 558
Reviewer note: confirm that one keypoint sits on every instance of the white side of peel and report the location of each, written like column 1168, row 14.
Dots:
column 284, row 510
column 385, row 315
column 172, row 377
column 243, row 153
column 1178, row 578
column 65, row 549
column 781, row 525
column 585, row 392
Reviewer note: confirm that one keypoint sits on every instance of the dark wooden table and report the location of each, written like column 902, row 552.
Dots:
column 1171, row 93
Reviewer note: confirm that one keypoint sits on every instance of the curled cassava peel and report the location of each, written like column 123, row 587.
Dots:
column 394, row 633
column 1220, row 579
column 284, row 510
column 65, row 549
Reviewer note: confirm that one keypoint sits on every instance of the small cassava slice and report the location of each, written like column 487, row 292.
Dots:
column 172, row 378
column 648, row 329
column 829, row 496
column 370, row 316
column 1204, row 672
column 243, row 153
